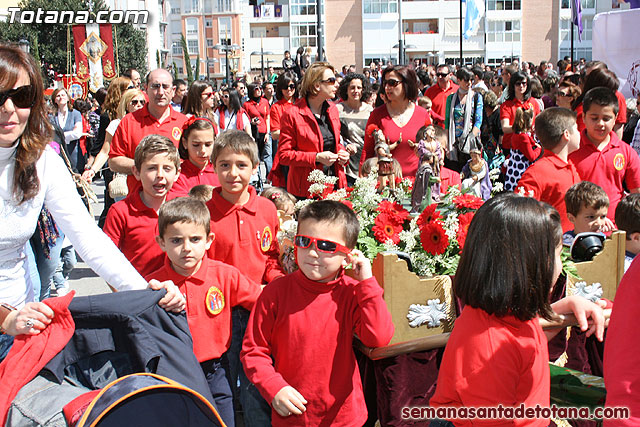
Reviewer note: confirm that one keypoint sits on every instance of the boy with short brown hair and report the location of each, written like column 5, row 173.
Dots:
column 131, row 223
column 210, row 287
column 587, row 205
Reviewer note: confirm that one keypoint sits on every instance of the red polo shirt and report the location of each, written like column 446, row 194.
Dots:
column 508, row 111
column 616, row 164
column 135, row 126
column 133, row 227
column 277, row 111
column 245, row 236
column 190, row 176
column 493, row 360
column 210, row 293
column 260, row 110
column 549, row 178
column 439, row 101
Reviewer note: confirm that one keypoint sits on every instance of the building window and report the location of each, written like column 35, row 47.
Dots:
column 586, row 4
column 303, row 7
column 380, row 6
column 192, row 45
column 503, row 5
column 579, row 52
column 223, row 5
column 175, row 11
column 176, row 49
column 503, row 31
column 191, row 26
column 208, row 23
column 224, row 29
column 565, row 30
column 209, row 43
column 303, row 35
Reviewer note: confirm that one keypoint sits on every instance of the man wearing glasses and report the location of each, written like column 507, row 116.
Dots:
column 156, row 117
column 439, row 92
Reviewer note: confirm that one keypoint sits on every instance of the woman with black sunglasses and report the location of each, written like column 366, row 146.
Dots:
column 286, row 95
column 230, row 114
column 519, row 96
column 310, row 132
column 31, row 174
column 399, row 118
column 200, row 101
column 257, row 109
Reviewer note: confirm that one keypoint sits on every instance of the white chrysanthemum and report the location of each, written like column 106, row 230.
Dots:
column 409, row 238
column 498, row 187
column 338, row 195
column 316, row 188
column 390, row 246
column 316, row 176
column 303, row 203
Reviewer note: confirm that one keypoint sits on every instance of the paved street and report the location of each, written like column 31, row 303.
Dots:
column 84, row 280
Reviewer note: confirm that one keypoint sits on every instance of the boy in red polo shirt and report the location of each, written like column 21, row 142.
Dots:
column 246, row 226
column 210, row 287
column 602, row 157
column 299, row 344
column 550, row 177
column 132, row 223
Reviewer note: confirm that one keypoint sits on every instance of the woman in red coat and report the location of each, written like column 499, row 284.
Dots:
column 310, row 132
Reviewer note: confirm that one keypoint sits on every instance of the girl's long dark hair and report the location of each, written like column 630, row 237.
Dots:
column 37, row 133
column 234, row 101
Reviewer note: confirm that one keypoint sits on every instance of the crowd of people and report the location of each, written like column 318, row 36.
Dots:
column 184, row 166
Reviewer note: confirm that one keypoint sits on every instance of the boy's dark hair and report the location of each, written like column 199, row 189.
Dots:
column 179, row 82
column 201, row 123
column 183, row 209
column 464, row 74
column 628, row 214
column 519, row 284
column 153, row 144
column 238, row 142
column 334, row 212
column 601, row 96
column 202, row 192
column 585, row 194
column 551, row 124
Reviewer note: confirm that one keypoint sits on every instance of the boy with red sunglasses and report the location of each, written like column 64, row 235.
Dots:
column 298, row 345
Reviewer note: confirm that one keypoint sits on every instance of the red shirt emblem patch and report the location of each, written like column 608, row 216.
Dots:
column 266, row 239
column 618, row 162
column 214, row 301
column 176, row 133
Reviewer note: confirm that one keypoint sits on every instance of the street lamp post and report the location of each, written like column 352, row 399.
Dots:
column 226, row 48
column 262, row 53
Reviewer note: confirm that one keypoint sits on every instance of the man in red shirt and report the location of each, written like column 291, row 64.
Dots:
column 439, row 92
column 156, row 117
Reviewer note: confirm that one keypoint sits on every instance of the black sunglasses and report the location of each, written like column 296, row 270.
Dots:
column 330, row 80
column 22, row 97
column 291, row 86
column 443, row 75
column 138, row 101
column 392, row 82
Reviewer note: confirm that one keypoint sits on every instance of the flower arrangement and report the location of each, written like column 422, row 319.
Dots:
column 433, row 239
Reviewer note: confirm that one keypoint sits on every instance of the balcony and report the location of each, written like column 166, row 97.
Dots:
column 266, row 13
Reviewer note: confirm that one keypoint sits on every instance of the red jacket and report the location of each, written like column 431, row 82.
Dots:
column 300, row 140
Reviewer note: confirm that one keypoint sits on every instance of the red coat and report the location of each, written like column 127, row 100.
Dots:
column 300, row 141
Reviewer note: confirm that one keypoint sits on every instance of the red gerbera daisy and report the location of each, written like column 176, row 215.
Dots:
column 394, row 210
column 433, row 238
column 464, row 221
column 467, row 201
column 386, row 228
column 429, row 214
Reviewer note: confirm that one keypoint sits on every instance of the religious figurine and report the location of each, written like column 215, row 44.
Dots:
column 386, row 174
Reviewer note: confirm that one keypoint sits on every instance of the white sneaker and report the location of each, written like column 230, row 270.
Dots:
column 63, row 290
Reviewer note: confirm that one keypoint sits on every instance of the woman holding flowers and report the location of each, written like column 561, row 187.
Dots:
column 310, row 132
column 399, row 118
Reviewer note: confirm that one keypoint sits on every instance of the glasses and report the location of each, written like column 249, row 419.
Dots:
column 258, row 89
column 156, row 86
column 131, row 87
column 443, row 75
column 207, row 95
column 392, row 82
column 225, row 96
column 563, row 94
column 326, row 246
column 291, row 86
column 521, row 83
column 22, row 97
column 138, row 102
column 330, row 80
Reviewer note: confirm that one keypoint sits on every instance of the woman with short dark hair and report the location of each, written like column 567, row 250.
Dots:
column 399, row 118
column 519, row 96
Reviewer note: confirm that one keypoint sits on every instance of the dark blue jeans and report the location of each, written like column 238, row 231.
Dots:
column 256, row 411
column 217, row 379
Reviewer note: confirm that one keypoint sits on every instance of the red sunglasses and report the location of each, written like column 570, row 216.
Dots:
column 326, row 246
